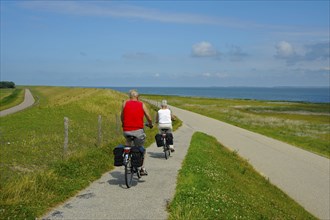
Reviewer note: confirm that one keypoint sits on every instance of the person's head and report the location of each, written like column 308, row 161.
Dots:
column 164, row 104
column 133, row 94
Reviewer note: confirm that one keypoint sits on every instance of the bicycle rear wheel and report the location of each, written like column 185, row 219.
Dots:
column 128, row 174
column 166, row 152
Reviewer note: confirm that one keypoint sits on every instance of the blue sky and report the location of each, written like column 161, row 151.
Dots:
column 165, row 43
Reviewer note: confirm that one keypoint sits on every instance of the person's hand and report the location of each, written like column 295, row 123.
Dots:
column 149, row 125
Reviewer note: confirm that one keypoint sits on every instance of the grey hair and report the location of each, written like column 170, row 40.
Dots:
column 133, row 93
column 164, row 103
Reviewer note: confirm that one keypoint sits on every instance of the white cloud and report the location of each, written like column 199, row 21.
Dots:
column 206, row 74
column 308, row 54
column 215, row 75
column 122, row 10
column 204, row 49
column 111, row 9
column 284, row 50
column 221, row 75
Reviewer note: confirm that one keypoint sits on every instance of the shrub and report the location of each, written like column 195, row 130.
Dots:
column 7, row 84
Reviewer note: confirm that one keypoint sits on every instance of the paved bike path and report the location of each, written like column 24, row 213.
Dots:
column 28, row 101
column 302, row 175
column 109, row 198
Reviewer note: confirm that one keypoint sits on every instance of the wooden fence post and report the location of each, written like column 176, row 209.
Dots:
column 99, row 137
column 66, row 135
column 117, row 123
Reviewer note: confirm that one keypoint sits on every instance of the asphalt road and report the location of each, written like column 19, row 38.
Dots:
column 302, row 175
column 28, row 101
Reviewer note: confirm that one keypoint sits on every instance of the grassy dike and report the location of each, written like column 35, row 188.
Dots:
column 215, row 183
column 11, row 97
column 305, row 125
column 36, row 174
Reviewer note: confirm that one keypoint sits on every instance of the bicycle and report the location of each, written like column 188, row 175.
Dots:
column 132, row 160
column 166, row 146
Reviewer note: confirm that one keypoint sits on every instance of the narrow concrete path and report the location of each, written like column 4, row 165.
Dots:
column 302, row 175
column 109, row 198
column 28, row 101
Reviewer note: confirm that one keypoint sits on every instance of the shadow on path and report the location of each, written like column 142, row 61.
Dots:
column 159, row 155
column 118, row 179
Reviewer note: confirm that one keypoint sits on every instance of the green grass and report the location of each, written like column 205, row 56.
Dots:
column 10, row 97
column 215, row 183
column 35, row 173
column 305, row 125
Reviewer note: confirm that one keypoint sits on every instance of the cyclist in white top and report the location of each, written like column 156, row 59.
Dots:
column 164, row 119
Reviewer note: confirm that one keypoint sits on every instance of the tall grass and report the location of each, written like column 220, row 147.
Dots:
column 35, row 172
column 215, row 183
column 305, row 125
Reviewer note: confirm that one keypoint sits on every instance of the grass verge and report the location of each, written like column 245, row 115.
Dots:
column 305, row 125
column 10, row 97
column 215, row 183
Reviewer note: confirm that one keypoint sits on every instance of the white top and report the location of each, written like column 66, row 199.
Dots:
column 164, row 116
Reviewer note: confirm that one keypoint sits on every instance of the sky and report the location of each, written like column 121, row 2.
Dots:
column 165, row 43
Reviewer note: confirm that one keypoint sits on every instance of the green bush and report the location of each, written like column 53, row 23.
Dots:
column 7, row 84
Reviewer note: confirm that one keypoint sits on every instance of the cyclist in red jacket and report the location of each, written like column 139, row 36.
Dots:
column 132, row 118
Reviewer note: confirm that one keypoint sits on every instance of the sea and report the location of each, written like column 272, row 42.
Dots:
column 293, row 94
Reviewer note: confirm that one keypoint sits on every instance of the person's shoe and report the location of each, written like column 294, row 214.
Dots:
column 143, row 172
column 172, row 149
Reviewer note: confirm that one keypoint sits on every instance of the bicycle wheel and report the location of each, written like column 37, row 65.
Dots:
column 166, row 152
column 128, row 174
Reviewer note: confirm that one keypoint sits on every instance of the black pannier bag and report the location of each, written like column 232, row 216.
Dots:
column 118, row 153
column 169, row 138
column 159, row 140
column 137, row 157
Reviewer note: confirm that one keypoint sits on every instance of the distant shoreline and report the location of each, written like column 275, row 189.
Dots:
column 309, row 94
column 261, row 87
column 288, row 94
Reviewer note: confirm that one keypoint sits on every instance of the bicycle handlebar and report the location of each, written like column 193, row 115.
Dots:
column 149, row 125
